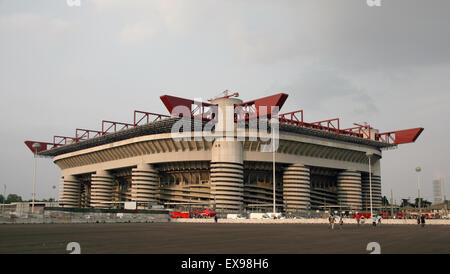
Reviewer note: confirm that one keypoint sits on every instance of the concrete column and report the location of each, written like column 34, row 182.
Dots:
column 101, row 189
column 85, row 196
column 69, row 188
column 144, row 184
column 227, row 172
column 376, row 191
column 349, row 189
column 227, row 175
column 296, row 188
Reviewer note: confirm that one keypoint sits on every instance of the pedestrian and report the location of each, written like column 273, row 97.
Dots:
column 363, row 219
column 418, row 220
column 358, row 218
column 216, row 218
column 379, row 219
column 374, row 221
column 422, row 220
column 329, row 221
column 341, row 222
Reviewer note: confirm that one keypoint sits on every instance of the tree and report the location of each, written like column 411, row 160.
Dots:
column 385, row 201
column 13, row 198
column 423, row 203
column 405, row 202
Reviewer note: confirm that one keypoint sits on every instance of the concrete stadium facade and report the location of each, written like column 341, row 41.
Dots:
column 148, row 165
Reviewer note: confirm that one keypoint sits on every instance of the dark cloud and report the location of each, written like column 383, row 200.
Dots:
column 347, row 33
column 327, row 90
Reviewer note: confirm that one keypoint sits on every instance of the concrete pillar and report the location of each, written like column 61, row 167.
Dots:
column 296, row 188
column 144, row 184
column 349, row 189
column 69, row 188
column 227, row 172
column 101, row 189
column 376, row 191
column 85, row 195
column 227, row 176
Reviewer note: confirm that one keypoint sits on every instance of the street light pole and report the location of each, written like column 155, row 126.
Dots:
column 369, row 155
column 4, row 198
column 418, row 169
column 36, row 147
column 273, row 165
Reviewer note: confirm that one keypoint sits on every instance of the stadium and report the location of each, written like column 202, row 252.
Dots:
column 202, row 155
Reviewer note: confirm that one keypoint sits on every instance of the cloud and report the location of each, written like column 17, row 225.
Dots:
column 137, row 32
column 344, row 33
column 30, row 22
column 326, row 90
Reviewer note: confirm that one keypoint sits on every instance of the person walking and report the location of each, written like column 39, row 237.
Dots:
column 422, row 220
column 363, row 219
column 358, row 218
column 374, row 221
column 379, row 219
column 216, row 218
column 341, row 221
column 330, row 217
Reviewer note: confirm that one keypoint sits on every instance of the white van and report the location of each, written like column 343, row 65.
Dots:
column 235, row 216
column 259, row 216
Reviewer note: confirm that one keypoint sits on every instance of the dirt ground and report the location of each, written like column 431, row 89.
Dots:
column 184, row 238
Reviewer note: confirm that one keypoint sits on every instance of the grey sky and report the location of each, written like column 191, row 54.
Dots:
column 66, row 67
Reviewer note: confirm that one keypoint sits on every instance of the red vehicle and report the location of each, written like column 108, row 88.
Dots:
column 204, row 213
column 366, row 215
column 384, row 215
column 207, row 213
column 177, row 214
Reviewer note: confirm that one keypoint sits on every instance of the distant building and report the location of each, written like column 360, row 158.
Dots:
column 438, row 191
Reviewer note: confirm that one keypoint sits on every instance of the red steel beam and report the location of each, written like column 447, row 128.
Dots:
column 44, row 146
column 263, row 106
column 115, row 126
column 400, row 136
column 63, row 140
column 146, row 115
column 83, row 134
column 293, row 118
column 362, row 130
column 252, row 109
column 171, row 102
column 329, row 124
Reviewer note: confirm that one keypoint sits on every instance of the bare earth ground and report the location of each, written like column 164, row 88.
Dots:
column 188, row 238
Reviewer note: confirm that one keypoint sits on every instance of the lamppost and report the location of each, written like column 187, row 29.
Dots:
column 36, row 147
column 4, row 198
column 418, row 169
column 54, row 188
column 369, row 155
column 273, row 163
